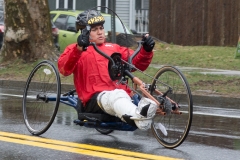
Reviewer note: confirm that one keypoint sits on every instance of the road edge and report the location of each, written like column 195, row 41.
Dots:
column 199, row 100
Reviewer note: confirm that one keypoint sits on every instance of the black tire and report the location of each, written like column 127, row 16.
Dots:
column 176, row 125
column 42, row 83
column 104, row 131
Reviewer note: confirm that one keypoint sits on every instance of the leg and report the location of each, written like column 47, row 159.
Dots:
column 136, row 98
column 118, row 103
column 92, row 105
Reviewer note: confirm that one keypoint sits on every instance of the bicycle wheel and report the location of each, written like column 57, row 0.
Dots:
column 104, row 131
column 172, row 128
column 41, row 98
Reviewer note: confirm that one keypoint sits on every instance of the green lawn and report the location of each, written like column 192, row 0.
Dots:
column 168, row 54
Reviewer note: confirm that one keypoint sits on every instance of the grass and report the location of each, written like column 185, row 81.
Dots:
column 168, row 54
column 204, row 57
column 197, row 56
column 17, row 70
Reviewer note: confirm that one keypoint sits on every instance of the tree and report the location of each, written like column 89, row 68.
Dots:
column 27, row 31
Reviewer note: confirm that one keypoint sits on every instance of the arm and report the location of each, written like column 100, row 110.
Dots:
column 143, row 59
column 145, row 55
column 68, row 59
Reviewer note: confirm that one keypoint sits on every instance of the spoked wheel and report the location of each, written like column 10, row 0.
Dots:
column 104, row 131
column 41, row 97
column 172, row 128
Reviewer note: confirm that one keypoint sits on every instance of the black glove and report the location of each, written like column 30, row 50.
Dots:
column 148, row 43
column 83, row 38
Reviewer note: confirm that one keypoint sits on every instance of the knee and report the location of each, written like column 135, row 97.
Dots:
column 117, row 94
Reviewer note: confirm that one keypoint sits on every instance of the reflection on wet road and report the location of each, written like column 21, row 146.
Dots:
column 216, row 126
column 215, row 134
column 219, row 112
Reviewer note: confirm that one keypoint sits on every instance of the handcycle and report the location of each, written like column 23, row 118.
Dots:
column 169, row 89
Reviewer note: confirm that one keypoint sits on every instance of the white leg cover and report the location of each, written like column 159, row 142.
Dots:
column 145, row 123
column 118, row 103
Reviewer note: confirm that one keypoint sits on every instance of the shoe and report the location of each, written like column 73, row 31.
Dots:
column 146, row 109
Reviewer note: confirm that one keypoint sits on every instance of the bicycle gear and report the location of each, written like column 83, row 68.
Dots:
column 115, row 71
column 165, row 103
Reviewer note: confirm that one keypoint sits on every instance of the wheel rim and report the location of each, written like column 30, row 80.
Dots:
column 176, row 125
column 39, row 113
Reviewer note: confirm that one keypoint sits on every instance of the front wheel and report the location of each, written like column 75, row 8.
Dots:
column 41, row 98
column 172, row 128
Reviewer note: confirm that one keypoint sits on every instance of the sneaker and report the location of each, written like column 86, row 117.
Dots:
column 146, row 109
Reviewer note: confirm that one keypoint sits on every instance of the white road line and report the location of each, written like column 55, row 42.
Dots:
column 11, row 95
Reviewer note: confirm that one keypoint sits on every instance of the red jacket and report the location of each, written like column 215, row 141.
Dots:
column 90, row 69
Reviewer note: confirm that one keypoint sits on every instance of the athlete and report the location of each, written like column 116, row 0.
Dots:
column 97, row 92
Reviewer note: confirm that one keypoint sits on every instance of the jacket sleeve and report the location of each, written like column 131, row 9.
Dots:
column 68, row 60
column 141, row 60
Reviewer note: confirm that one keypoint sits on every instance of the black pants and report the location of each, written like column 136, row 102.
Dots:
column 92, row 105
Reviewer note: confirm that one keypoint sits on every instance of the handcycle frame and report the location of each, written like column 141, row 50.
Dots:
column 105, row 123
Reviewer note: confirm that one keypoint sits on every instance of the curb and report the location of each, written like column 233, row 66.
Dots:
column 216, row 101
column 200, row 100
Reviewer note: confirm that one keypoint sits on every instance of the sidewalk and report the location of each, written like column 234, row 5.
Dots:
column 204, row 70
column 204, row 100
column 200, row 100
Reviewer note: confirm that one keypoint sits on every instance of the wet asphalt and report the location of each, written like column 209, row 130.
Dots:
column 214, row 133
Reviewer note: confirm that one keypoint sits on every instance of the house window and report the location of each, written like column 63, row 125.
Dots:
column 70, row 4
column 141, row 16
column 61, row 4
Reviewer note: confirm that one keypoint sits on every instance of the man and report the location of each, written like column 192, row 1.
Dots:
column 94, row 87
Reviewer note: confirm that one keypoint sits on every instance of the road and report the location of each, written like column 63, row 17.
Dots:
column 215, row 135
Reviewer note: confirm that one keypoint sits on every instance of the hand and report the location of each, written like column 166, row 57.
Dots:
column 148, row 43
column 83, row 38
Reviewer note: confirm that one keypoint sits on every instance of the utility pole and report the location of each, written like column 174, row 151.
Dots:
column 113, row 7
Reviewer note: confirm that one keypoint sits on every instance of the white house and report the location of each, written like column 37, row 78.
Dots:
column 134, row 13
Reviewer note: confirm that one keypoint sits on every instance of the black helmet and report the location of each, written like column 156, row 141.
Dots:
column 89, row 17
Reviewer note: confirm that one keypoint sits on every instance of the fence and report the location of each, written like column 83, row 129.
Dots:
column 195, row 22
column 141, row 23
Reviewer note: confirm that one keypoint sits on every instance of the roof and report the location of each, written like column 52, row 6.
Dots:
column 73, row 12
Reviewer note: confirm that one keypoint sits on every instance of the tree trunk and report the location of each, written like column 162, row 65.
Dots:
column 28, row 33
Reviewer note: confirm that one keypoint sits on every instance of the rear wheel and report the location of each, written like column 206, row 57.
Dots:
column 104, row 131
column 172, row 128
column 41, row 97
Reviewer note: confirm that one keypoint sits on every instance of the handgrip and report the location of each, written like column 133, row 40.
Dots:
column 86, row 31
column 102, row 53
column 135, row 52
